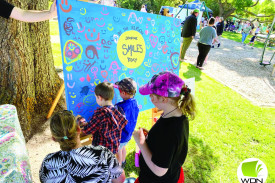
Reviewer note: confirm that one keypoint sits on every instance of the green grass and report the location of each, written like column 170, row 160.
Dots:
column 57, row 54
column 54, row 28
column 56, row 46
column 227, row 130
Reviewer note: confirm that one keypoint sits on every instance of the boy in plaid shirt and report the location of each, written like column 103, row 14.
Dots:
column 108, row 121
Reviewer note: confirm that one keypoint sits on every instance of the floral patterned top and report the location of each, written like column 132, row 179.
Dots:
column 85, row 164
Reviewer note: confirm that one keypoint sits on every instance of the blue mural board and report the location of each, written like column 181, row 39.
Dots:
column 101, row 43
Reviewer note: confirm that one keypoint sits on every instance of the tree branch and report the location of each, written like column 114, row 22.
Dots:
column 251, row 13
column 255, row 3
column 228, row 13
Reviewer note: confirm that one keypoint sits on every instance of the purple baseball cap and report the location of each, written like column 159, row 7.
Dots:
column 166, row 84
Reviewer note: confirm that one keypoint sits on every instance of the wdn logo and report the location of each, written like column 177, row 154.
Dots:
column 252, row 170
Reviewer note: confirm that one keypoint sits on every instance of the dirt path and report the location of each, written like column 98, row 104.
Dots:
column 237, row 67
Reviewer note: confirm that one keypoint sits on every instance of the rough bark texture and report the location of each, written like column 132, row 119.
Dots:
column 28, row 77
column 225, row 9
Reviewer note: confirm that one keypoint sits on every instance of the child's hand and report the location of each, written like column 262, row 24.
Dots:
column 53, row 9
column 139, row 136
column 82, row 124
column 145, row 132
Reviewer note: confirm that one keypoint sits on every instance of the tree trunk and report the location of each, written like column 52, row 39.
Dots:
column 28, row 77
column 221, row 9
column 228, row 13
column 225, row 10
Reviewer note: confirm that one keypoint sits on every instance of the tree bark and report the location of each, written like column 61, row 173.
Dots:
column 28, row 77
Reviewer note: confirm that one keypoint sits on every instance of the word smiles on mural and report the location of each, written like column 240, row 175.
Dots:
column 101, row 43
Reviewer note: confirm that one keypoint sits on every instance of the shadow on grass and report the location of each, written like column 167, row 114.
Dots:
column 191, row 72
column 200, row 161
column 130, row 168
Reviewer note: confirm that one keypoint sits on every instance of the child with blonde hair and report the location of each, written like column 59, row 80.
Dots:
column 75, row 163
column 164, row 149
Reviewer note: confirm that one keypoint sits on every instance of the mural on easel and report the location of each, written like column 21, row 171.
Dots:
column 101, row 43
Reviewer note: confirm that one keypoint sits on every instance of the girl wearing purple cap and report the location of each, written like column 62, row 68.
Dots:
column 164, row 149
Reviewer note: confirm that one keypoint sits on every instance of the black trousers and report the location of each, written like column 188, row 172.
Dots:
column 203, row 51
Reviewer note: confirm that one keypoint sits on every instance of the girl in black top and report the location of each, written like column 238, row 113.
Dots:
column 9, row 11
column 164, row 150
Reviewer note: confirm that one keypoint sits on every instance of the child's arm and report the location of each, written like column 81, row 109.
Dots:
column 120, row 179
column 147, row 154
column 32, row 15
column 94, row 124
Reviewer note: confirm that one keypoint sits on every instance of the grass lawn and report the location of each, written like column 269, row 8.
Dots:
column 227, row 130
column 54, row 28
column 238, row 38
column 56, row 46
column 57, row 54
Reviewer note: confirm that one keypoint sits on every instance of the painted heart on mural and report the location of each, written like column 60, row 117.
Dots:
column 153, row 40
column 140, row 19
column 104, row 74
column 82, row 79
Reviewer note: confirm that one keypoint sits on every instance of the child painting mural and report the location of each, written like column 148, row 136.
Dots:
column 127, row 90
column 164, row 149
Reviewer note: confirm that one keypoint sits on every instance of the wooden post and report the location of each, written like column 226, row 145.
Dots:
column 60, row 91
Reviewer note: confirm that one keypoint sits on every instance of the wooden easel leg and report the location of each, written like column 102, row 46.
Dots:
column 60, row 91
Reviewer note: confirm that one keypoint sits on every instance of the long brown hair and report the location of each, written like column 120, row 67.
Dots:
column 64, row 129
column 186, row 102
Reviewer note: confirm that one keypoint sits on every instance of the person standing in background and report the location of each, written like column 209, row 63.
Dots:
column 108, row 2
column 188, row 32
column 207, row 34
column 143, row 9
column 219, row 28
column 166, row 12
column 245, row 32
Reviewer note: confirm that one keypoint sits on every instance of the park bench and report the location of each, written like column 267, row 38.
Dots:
column 262, row 38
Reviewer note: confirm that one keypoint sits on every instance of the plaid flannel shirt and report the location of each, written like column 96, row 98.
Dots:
column 106, row 126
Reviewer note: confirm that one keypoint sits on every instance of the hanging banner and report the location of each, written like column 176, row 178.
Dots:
column 101, row 43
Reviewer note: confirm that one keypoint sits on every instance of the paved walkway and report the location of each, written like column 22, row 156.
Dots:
column 237, row 67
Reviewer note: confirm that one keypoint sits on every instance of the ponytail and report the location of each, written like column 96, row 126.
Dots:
column 64, row 129
column 186, row 102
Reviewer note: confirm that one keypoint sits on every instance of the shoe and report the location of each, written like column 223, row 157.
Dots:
column 182, row 60
column 219, row 45
column 201, row 68
column 212, row 46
